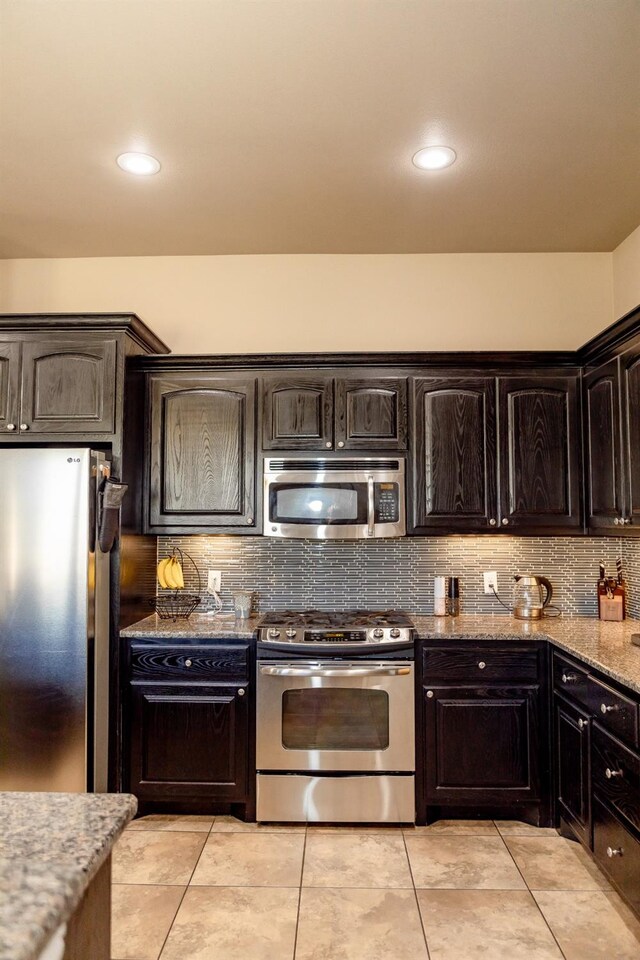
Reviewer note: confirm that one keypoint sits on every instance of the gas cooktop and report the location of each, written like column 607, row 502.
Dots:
column 325, row 627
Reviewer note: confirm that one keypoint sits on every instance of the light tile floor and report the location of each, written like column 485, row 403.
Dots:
column 205, row 888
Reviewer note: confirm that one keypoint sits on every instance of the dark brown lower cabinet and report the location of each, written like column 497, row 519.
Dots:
column 572, row 735
column 617, row 852
column 190, row 719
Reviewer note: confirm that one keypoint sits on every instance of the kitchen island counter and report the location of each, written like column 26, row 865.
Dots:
column 52, row 848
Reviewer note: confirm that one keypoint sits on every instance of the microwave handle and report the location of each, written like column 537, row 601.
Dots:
column 371, row 517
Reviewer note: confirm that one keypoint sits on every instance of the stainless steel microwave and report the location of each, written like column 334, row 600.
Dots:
column 329, row 498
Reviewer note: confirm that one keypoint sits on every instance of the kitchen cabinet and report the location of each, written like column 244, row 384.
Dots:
column 54, row 386
column 482, row 722
column 573, row 794
column 324, row 412
column 201, row 454
column 495, row 454
column 603, row 448
column 190, row 715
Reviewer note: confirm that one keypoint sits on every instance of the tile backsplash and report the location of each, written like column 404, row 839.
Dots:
column 341, row 574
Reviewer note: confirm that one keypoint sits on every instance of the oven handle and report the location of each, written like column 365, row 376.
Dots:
column 335, row 671
column 371, row 517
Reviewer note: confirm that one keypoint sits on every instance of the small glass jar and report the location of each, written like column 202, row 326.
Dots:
column 243, row 604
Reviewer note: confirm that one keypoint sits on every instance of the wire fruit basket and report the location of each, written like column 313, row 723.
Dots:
column 178, row 605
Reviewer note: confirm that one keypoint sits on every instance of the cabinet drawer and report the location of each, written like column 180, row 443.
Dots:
column 614, row 711
column 615, row 773
column 570, row 679
column 189, row 664
column 465, row 663
column 617, row 852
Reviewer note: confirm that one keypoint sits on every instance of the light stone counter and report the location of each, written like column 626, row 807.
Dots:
column 199, row 626
column 51, row 848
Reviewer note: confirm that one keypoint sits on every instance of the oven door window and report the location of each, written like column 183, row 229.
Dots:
column 335, row 719
column 319, row 503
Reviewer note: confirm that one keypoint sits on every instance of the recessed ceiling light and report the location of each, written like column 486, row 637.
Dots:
column 140, row 163
column 434, row 158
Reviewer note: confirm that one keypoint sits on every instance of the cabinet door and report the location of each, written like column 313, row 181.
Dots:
column 482, row 744
column 9, row 387
column 630, row 382
column 371, row 414
column 602, row 443
column 572, row 731
column 297, row 413
column 454, row 458
column 539, row 453
column 189, row 742
column 202, row 459
column 69, row 386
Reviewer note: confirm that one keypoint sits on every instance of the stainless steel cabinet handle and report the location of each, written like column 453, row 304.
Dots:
column 341, row 443
column 24, row 426
column 608, row 708
column 609, row 773
column 582, row 724
column 188, row 663
column 320, row 672
column 430, row 694
column 370, row 508
column 615, row 851
column 504, row 521
column 569, row 678
column 241, row 692
column 11, row 426
column 482, row 665
column 492, row 522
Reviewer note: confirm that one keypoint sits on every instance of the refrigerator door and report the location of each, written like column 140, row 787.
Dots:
column 48, row 609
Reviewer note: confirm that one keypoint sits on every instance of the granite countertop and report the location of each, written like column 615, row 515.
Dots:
column 604, row 645
column 51, row 847
column 219, row 626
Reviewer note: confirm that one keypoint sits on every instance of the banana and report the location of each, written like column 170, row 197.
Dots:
column 161, row 572
column 177, row 574
column 169, row 576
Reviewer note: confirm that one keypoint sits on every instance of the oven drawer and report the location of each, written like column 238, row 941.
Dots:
column 463, row 663
column 615, row 773
column 191, row 664
column 617, row 851
column 358, row 799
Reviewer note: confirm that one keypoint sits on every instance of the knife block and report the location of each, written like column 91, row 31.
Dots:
column 611, row 608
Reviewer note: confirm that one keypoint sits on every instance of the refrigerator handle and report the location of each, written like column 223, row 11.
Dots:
column 99, row 759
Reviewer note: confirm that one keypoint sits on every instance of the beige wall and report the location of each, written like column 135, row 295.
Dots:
column 255, row 304
column 626, row 275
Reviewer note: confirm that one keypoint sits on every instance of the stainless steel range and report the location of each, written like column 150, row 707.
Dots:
column 335, row 720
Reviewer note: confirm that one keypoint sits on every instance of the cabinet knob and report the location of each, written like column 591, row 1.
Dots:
column 430, row 694
column 504, row 521
column 249, row 519
column 608, row 708
column 615, row 852
column 482, row 665
column 341, row 443
column 328, row 444
column 492, row 522
column 582, row 724
column 11, row 426
column 24, row 426
column 628, row 520
column 569, row 678
column 609, row 773
column 241, row 692
column 188, row 663
column 616, row 520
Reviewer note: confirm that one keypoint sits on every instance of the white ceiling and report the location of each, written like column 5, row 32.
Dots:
column 288, row 126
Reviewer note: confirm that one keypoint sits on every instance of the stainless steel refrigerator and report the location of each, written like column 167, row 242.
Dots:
column 54, row 621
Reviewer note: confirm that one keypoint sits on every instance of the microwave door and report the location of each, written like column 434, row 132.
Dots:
column 320, row 510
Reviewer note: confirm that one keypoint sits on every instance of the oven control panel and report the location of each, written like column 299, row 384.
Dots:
column 334, row 636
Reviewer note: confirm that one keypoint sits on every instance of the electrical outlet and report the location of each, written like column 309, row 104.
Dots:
column 214, row 581
column 490, row 582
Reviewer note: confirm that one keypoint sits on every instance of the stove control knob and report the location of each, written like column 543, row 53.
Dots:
column 394, row 632
column 378, row 633
column 290, row 632
column 273, row 634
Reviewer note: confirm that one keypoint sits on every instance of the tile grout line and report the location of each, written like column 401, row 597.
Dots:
column 295, row 937
column 415, row 894
column 529, row 891
column 164, row 942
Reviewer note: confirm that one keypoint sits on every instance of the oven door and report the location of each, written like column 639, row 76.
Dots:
column 335, row 716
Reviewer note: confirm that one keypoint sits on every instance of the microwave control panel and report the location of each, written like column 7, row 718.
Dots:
column 387, row 502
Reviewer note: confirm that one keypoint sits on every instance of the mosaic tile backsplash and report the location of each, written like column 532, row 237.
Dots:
column 342, row 574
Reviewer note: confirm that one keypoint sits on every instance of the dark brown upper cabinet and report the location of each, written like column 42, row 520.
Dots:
column 297, row 413
column 455, row 453
column 201, row 458
column 603, row 448
column 9, row 387
column 630, row 387
column 54, row 386
column 539, row 452
column 371, row 414
column 325, row 413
